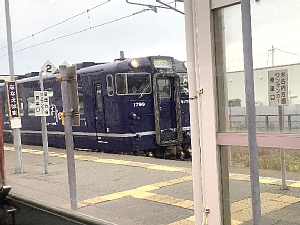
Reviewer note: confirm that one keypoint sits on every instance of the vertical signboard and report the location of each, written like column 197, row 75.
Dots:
column 41, row 102
column 12, row 97
column 278, row 87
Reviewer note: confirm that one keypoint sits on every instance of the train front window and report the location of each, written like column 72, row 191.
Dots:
column 163, row 86
column 135, row 83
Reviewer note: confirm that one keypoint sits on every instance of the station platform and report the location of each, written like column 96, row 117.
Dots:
column 126, row 190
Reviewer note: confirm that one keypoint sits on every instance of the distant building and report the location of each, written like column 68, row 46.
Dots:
column 4, row 77
column 236, row 86
column 7, row 77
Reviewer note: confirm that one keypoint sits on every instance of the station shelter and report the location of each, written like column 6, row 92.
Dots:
column 242, row 59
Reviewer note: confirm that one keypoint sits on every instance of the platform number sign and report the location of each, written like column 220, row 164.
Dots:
column 41, row 102
column 12, row 97
column 48, row 68
column 278, row 87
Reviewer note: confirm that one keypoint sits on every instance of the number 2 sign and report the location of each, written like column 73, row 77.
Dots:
column 48, row 68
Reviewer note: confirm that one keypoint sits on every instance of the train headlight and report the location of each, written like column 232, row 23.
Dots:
column 134, row 63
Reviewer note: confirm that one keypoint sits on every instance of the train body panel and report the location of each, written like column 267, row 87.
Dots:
column 123, row 108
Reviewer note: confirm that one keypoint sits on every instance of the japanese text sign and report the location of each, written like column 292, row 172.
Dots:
column 12, row 100
column 278, row 87
column 41, row 102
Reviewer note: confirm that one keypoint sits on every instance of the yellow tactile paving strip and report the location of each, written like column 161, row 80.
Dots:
column 264, row 180
column 144, row 192
column 109, row 161
column 240, row 211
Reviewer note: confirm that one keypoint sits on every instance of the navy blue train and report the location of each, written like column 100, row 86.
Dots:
column 138, row 106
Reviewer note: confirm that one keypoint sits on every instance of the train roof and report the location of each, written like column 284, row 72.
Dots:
column 123, row 65
column 117, row 65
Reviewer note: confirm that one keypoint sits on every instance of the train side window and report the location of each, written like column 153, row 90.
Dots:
column 121, row 83
column 110, row 87
column 99, row 102
column 138, row 83
column 30, row 106
column 6, row 108
column 21, row 106
column 50, row 92
column 80, row 98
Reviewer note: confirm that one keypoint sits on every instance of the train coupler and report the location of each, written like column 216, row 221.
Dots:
column 7, row 213
column 174, row 152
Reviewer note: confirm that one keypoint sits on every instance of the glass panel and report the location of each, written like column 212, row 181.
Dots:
column 276, row 47
column 21, row 106
column 121, row 83
column 164, row 87
column 6, row 108
column 99, row 101
column 81, row 102
column 184, row 84
column 31, row 106
column 50, row 92
column 138, row 83
column 133, row 83
column 110, row 87
column 277, row 206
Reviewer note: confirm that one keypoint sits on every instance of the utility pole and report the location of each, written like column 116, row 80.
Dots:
column 16, row 123
column 192, row 46
column 70, row 116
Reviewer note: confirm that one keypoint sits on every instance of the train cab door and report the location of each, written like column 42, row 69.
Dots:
column 99, row 109
column 166, row 90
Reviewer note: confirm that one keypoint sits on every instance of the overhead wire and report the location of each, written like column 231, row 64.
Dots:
column 239, row 59
column 57, row 24
column 83, row 30
column 291, row 53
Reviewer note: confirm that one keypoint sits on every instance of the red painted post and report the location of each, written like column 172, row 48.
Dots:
column 2, row 159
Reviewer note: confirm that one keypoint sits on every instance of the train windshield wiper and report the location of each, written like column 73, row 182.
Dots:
column 144, row 91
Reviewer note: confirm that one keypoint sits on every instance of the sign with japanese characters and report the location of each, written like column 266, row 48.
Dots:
column 278, row 87
column 41, row 102
column 12, row 100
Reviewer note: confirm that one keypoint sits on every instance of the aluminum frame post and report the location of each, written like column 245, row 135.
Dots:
column 250, row 109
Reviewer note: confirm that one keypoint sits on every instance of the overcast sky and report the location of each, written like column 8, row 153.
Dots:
column 114, row 27
column 274, row 23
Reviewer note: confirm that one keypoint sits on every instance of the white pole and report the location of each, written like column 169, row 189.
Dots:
column 16, row 131
column 191, row 48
